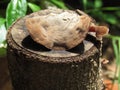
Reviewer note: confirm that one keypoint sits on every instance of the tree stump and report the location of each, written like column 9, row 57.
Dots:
column 34, row 67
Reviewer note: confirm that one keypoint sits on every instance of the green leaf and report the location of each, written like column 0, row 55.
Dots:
column 98, row 4
column 3, row 33
column 15, row 10
column 118, row 13
column 119, row 77
column 119, row 51
column 59, row 4
column 34, row 7
column 115, row 48
column 110, row 18
column 113, row 37
column 111, row 8
column 2, row 21
column 47, row 4
column 85, row 4
column 2, row 52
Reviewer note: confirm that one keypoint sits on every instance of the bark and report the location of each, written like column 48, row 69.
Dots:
column 34, row 67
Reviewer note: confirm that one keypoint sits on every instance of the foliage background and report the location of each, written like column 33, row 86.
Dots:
column 105, row 12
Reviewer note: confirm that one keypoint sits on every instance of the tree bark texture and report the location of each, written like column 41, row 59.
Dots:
column 34, row 67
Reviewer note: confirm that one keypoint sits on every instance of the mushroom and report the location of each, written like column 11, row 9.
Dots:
column 62, row 31
column 99, row 30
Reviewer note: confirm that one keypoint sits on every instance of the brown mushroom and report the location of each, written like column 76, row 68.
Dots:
column 100, row 30
column 59, row 31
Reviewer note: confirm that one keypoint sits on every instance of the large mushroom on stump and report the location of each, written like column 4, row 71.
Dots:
column 62, row 31
column 72, row 63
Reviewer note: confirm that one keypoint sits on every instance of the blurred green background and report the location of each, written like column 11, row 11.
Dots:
column 105, row 12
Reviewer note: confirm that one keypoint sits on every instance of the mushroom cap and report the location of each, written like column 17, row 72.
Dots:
column 59, row 31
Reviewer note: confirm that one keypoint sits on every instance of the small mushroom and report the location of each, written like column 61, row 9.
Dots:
column 100, row 30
